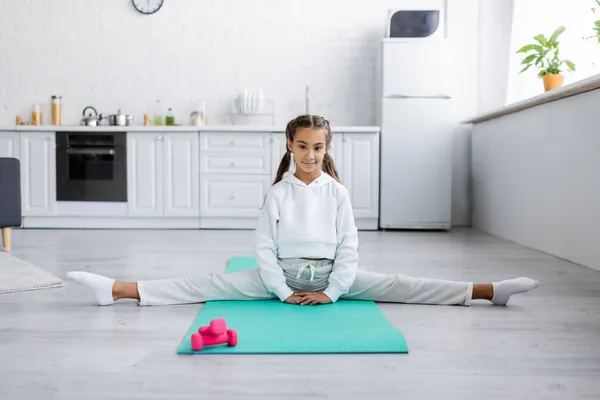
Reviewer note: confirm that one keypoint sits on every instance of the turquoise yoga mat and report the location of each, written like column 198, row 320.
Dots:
column 273, row 327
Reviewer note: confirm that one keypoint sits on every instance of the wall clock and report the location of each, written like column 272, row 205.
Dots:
column 147, row 6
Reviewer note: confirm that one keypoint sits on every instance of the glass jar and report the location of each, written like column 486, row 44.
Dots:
column 170, row 120
column 36, row 115
column 158, row 115
column 56, row 107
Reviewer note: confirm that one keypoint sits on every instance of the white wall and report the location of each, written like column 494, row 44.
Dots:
column 494, row 47
column 489, row 49
column 536, row 178
column 105, row 54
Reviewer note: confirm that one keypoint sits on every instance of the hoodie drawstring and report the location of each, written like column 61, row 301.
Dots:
column 303, row 266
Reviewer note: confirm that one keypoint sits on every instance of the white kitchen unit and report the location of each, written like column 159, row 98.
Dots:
column 235, row 175
column 181, row 186
column 162, row 176
column 278, row 149
column 35, row 150
column 187, row 178
column 10, row 144
column 145, row 180
column 38, row 174
column 336, row 152
column 360, row 173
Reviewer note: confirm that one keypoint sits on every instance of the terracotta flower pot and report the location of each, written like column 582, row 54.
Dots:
column 553, row 81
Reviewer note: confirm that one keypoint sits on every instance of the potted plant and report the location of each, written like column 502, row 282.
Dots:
column 596, row 23
column 544, row 55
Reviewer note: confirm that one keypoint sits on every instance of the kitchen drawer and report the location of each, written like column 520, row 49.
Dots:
column 235, row 164
column 233, row 195
column 218, row 142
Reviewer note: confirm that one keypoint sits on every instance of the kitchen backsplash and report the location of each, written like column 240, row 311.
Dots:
column 107, row 55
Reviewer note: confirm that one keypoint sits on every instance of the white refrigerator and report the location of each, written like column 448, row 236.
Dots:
column 417, row 121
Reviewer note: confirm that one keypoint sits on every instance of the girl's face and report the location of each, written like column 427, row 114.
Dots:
column 309, row 148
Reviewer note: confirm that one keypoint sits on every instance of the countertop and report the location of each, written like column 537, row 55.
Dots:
column 582, row 86
column 189, row 128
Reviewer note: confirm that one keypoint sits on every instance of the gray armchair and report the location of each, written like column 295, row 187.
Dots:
column 10, row 198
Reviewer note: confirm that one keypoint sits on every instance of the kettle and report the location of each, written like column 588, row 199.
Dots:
column 90, row 120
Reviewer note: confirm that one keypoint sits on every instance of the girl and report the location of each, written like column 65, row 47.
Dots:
column 306, row 248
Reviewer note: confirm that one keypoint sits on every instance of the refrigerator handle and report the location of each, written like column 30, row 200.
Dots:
column 402, row 96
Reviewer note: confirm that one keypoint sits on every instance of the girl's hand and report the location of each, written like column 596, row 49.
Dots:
column 312, row 298
column 293, row 299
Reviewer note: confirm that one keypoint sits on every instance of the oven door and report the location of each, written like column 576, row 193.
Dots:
column 91, row 166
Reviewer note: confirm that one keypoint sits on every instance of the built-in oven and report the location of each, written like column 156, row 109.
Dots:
column 91, row 166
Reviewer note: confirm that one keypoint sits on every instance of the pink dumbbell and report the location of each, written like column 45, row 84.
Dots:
column 217, row 327
column 199, row 341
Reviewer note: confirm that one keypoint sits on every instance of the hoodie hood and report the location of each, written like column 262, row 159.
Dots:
column 322, row 180
column 289, row 176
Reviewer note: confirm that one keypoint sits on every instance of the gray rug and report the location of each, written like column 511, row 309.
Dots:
column 17, row 275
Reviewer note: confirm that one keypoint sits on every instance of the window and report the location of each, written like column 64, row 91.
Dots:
column 532, row 17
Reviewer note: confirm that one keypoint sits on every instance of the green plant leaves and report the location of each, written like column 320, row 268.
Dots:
column 526, row 68
column 570, row 64
column 529, row 59
column 539, row 61
column 546, row 53
column 553, row 39
column 541, row 40
column 530, row 47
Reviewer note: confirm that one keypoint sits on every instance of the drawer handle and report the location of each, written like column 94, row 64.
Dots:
column 232, row 143
column 232, row 197
column 232, row 164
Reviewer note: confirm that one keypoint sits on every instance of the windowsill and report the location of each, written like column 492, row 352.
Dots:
column 582, row 86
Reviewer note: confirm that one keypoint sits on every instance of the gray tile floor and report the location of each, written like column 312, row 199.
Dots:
column 55, row 344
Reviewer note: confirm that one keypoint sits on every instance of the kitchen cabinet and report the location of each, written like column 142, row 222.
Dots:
column 360, row 173
column 236, row 170
column 192, row 179
column 162, row 174
column 10, row 145
column 336, row 151
column 278, row 149
column 181, row 184
column 38, row 173
column 233, row 196
column 145, row 174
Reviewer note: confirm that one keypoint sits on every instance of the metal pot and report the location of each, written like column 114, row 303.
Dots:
column 118, row 119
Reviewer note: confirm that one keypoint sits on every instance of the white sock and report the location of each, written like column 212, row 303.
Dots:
column 101, row 285
column 504, row 289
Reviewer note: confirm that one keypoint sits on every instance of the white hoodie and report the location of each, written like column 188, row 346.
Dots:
column 307, row 221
